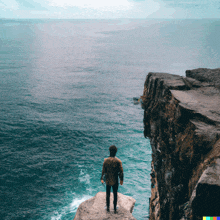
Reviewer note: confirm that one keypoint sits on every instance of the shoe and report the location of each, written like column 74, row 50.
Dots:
column 106, row 208
column 115, row 211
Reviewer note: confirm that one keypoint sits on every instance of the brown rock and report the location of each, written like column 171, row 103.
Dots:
column 94, row 208
column 182, row 120
column 205, row 75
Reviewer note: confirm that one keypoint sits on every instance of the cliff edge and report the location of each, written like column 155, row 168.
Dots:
column 182, row 121
column 94, row 208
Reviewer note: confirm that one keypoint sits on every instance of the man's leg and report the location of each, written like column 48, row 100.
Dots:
column 115, row 192
column 108, row 189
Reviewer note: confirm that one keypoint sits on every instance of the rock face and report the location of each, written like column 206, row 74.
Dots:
column 182, row 121
column 205, row 75
column 94, row 208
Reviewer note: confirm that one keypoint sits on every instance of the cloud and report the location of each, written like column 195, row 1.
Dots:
column 9, row 5
column 192, row 4
column 30, row 4
column 82, row 9
column 110, row 5
column 187, row 9
column 96, row 9
column 15, row 5
column 105, row 9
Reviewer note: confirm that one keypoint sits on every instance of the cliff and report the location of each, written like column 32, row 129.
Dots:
column 94, row 208
column 182, row 121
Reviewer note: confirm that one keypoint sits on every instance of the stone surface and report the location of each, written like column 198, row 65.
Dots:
column 205, row 75
column 182, row 121
column 94, row 208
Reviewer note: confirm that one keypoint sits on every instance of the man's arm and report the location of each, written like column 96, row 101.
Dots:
column 103, row 172
column 121, row 174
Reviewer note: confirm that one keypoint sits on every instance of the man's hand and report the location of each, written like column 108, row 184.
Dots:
column 102, row 181
column 121, row 182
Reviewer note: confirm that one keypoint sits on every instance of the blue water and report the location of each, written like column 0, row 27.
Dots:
column 66, row 95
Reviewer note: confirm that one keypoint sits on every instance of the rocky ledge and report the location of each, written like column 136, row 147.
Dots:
column 205, row 75
column 182, row 121
column 94, row 208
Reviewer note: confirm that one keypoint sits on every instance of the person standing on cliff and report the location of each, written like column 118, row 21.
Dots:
column 112, row 169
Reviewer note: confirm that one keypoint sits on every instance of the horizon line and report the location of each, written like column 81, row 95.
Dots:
column 105, row 18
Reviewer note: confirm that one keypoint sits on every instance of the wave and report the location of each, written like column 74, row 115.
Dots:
column 84, row 177
column 76, row 202
column 70, row 208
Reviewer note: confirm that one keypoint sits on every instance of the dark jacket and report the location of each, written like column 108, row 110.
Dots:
column 112, row 168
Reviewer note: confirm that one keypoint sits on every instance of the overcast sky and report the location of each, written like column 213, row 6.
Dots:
column 109, row 9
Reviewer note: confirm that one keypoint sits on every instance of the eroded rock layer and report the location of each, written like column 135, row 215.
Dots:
column 182, row 121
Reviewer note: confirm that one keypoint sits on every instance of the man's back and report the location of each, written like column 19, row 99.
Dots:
column 112, row 168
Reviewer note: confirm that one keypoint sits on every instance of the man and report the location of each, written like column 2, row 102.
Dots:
column 112, row 168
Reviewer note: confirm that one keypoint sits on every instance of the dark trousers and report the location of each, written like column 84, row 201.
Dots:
column 115, row 190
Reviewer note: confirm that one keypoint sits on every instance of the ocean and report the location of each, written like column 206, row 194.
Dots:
column 67, row 89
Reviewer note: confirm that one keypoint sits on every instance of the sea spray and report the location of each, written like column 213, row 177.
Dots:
column 70, row 208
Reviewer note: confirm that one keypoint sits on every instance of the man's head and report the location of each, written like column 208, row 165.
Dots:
column 113, row 150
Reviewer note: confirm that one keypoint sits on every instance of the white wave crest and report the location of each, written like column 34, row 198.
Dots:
column 71, row 208
column 84, row 177
column 76, row 202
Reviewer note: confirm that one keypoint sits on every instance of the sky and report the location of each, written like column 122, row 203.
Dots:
column 110, row 9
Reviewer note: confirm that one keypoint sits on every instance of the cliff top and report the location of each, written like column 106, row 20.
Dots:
column 201, row 98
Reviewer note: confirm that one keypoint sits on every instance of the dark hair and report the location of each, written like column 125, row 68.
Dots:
column 113, row 150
